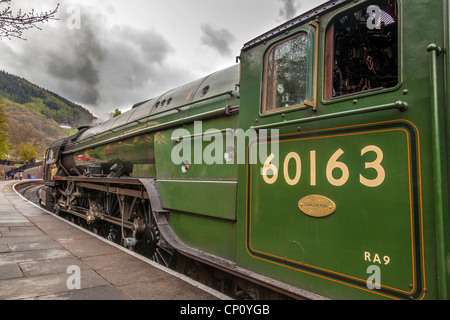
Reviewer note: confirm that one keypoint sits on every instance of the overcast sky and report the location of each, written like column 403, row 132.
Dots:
column 112, row 54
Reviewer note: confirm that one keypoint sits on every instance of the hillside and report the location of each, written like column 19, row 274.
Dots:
column 31, row 118
column 27, row 129
column 42, row 101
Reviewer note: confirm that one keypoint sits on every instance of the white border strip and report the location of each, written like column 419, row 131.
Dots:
column 194, row 283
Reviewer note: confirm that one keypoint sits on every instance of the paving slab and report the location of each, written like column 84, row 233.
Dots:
column 67, row 234
column 110, row 261
column 10, row 271
column 43, row 267
column 31, row 287
column 46, row 225
column 134, row 273
column 27, row 239
column 156, row 289
column 21, row 233
column 89, row 247
column 30, row 246
column 107, row 292
column 4, row 248
column 33, row 255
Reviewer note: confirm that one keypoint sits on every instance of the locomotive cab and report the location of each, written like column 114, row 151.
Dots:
column 52, row 168
column 52, row 156
column 362, row 137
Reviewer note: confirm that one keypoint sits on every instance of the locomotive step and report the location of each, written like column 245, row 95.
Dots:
column 44, row 257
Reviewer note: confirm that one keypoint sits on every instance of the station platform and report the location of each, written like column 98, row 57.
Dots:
column 41, row 255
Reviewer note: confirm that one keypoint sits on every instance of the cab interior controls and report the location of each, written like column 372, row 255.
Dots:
column 362, row 51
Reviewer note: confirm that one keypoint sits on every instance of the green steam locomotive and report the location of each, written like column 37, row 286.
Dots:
column 317, row 166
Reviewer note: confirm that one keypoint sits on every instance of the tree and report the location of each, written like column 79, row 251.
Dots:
column 14, row 24
column 115, row 113
column 25, row 151
column 4, row 141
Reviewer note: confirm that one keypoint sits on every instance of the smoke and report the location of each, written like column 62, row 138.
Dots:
column 289, row 9
column 220, row 39
column 96, row 64
column 78, row 61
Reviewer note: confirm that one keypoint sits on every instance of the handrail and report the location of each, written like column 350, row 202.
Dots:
column 231, row 93
column 203, row 134
column 400, row 105
column 172, row 110
column 228, row 110
column 434, row 51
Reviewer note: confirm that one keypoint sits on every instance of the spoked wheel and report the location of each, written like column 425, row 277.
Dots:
column 111, row 207
column 147, row 234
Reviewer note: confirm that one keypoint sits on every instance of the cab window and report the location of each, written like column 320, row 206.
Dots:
column 289, row 73
column 50, row 163
column 362, row 50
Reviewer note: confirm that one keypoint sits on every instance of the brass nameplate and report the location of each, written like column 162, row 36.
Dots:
column 317, row 206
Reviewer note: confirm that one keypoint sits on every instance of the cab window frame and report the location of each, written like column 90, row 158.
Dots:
column 311, row 61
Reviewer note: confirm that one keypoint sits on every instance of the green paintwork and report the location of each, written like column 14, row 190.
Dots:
column 211, row 235
column 144, row 170
column 190, row 196
column 168, row 170
column 134, row 150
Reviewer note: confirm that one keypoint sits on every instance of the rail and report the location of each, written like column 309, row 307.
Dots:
column 400, row 105
column 176, row 108
column 436, row 115
column 228, row 110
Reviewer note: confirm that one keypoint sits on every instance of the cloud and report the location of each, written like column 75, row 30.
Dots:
column 218, row 39
column 78, row 60
column 289, row 9
column 100, row 65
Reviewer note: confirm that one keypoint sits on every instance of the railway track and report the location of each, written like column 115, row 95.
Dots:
column 29, row 190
